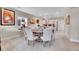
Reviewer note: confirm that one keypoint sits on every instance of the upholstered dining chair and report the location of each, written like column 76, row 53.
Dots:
column 47, row 36
column 29, row 35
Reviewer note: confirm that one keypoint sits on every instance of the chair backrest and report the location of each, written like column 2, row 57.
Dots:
column 47, row 35
column 29, row 34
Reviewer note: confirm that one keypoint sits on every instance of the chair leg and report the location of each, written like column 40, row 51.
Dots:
column 28, row 42
column 50, row 43
column 44, row 44
column 33, row 43
column 53, row 40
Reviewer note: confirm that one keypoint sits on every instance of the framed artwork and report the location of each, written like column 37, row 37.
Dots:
column 8, row 17
column 68, row 20
column 32, row 21
column 0, row 15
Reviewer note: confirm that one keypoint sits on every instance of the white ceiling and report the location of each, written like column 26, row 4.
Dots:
column 44, row 11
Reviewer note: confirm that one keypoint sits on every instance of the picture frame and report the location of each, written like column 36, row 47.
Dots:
column 68, row 20
column 0, row 16
column 8, row 17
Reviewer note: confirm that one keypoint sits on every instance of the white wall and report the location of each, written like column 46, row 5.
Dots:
column 74, row 24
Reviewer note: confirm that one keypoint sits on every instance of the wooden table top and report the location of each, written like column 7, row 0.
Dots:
column 34, row 30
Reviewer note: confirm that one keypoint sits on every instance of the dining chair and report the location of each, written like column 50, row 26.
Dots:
column 47, row 36
column 30, row 37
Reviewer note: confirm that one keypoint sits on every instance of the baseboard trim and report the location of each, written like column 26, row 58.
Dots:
column 74, row 40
